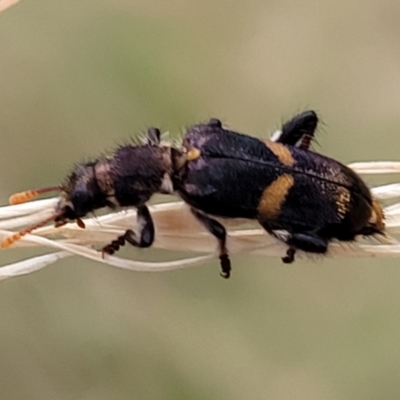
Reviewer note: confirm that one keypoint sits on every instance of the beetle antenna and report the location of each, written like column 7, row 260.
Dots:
column 18, row 235
column 23, row 197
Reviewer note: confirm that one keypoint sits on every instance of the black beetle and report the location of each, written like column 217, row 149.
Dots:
column 301, row 197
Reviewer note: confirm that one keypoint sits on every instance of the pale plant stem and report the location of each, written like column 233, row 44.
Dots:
column 177, row 230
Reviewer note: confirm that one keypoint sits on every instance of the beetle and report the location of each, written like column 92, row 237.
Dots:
column 301, row 197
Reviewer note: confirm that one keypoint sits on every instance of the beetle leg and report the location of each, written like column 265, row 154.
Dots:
column 217, row 230
column 309, row 242
column 299, row 130
column 289, row 258
column 142, row 237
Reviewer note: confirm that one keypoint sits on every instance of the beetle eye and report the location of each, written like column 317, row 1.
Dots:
column 82, row 202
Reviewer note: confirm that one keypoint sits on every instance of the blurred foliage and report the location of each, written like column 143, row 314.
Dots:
column 78, row 77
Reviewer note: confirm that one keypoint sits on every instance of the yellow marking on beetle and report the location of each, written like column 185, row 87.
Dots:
column 193, row 154
column 343, row 202
column 282, row 152
column 274, row 195
column 103, row 177
column 377, row 216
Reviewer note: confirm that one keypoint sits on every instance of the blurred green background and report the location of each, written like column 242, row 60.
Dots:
column 76, row 78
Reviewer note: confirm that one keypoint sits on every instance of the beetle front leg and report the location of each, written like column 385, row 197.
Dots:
column 217, row 230
column 142, row 236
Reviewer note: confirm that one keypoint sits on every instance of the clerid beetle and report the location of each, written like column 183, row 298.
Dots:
column 299, row 196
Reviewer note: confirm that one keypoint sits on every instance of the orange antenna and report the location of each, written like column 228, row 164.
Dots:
column 18, row 235
column 23, row 197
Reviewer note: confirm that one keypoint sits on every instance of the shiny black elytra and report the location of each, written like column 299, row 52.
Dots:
column 301, row 197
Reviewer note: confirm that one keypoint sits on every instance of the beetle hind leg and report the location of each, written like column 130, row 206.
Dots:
column 289, row 258
column 309, row 242
column 298, row 131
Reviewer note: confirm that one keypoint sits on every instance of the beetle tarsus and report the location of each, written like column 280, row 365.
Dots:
column 289, row 258
column 144, row 238
column 225, row 266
